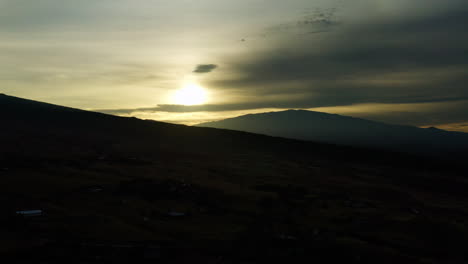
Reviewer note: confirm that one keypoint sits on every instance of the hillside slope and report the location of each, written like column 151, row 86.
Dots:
column 123, row 190
column 338, row 129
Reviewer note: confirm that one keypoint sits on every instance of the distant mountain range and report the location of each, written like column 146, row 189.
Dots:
column 42, row 126
column 345, row 130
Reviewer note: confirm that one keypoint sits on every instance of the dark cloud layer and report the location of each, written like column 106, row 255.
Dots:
column 407, row 61
column 205, row 68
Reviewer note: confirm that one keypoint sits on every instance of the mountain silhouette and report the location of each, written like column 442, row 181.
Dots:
column 345, row 130
column 42, row 127
column 93, row 187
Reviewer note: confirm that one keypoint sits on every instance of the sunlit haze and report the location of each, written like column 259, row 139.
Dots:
column 190, row 94
column 195, row 61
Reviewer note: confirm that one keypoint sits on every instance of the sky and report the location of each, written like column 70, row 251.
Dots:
column 395, row 61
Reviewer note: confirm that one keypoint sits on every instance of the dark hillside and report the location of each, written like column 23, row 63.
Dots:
column 122, row 190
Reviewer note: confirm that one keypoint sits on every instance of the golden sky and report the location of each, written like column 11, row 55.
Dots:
column 193, row 61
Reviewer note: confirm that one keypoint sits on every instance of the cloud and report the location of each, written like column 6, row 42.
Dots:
column 193, row 108
column 411, row 60
column 317, row 20
column 416, row 60
column 373, row 52
column 205, row 68
column 418, row 114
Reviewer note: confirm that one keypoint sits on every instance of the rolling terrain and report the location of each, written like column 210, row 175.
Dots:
column 345, row 130
column 123, row 190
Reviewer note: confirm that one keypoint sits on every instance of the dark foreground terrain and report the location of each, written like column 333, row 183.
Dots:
column 122, row 190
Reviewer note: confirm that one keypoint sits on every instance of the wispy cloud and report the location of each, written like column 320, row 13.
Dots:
column 316, row 20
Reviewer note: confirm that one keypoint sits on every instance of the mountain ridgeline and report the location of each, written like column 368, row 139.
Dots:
column 35, row 128
column 98, row 188
column 344, row 130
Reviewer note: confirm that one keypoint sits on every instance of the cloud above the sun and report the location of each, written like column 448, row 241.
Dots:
column 205, row 68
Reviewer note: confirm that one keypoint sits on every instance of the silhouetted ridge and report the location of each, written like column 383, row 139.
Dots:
column 339, row 129
column 39, row 125
column 33, row 128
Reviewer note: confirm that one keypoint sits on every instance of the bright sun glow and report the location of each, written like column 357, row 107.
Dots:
column 190, row 94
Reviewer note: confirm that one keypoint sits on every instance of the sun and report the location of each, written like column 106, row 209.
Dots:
column 190, row 94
